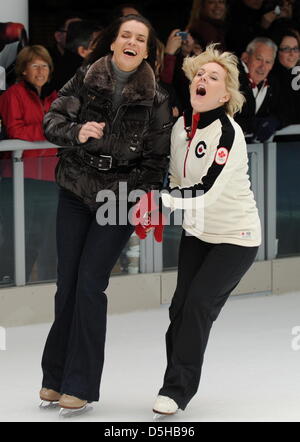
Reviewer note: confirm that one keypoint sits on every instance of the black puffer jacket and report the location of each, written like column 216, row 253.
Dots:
column 139, row 131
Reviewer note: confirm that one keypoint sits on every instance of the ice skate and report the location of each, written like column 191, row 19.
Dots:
column 163, row 407
column 49, row 398
column 73, row 406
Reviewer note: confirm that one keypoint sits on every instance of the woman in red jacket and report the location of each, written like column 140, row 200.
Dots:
column 22, row 109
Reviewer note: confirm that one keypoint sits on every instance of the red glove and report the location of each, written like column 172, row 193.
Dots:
column 146, row 216
column 141, row 210
column 159, row 220
column 157, row 223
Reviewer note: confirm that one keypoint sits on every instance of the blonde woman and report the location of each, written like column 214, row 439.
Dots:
column 221, row 228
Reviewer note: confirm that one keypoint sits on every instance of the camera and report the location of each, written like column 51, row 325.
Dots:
column 273, row 5
column 183, row 35
column 277, row 10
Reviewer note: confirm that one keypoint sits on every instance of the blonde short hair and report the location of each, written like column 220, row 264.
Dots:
column 29, row 53
column 229, row 62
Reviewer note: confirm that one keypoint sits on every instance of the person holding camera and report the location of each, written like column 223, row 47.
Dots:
column 244, row 24
column 277, row 11
column 180, row 44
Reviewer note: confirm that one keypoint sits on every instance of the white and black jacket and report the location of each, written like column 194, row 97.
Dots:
column 209, row 179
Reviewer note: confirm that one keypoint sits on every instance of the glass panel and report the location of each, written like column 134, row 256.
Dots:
column 129, row 261
column 288, row 198
column 250, row 169
column 6, row 221
column 172, row 236
column 40, row 195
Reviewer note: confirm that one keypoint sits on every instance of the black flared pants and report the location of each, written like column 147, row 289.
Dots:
column 73, row 357
column 207, row 274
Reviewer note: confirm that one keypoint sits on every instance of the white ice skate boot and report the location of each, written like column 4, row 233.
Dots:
column 164, row 405
column 71, row 405
column 49, row 398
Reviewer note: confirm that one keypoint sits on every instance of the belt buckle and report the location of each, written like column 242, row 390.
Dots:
column 110, row 162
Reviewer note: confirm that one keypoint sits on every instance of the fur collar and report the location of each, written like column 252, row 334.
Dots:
column 141, row 85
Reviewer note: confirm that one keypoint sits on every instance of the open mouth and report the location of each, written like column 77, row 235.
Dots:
column 201, row 90
column 130, row 52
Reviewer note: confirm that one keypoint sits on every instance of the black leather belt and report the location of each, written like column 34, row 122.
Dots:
column 107, row 162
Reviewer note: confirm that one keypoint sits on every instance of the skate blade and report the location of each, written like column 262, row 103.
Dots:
column 157, row 417
column 69, row 412
column 47, row 405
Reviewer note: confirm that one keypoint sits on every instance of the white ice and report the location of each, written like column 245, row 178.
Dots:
column 251, row 370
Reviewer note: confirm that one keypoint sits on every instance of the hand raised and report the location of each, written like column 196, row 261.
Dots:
column 174, row 42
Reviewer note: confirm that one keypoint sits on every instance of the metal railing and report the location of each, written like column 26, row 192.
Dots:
column 256, row 170
column 262, row 162
column 17, row 147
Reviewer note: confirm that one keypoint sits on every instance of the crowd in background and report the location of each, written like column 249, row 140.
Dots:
column 233, row 25
column 264, row 34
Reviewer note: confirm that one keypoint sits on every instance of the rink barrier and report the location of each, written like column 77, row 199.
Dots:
column 26, row 304
column 151, row 252
column 33, row 304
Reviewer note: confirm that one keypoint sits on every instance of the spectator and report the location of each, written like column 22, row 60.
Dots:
column 167, row 86
column 13, row 38
column 60, row 36
column 208, row 21
column 296, row 14
column 58, row 50
column 22, row 108
column 176, row 49
column 261, row 113
column 245, row 24
column 172, row 49
column 80, row 39
column 278, row 17
column 288, row 57
column 126, row 9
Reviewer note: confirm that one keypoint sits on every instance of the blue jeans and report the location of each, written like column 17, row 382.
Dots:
column 73, row 357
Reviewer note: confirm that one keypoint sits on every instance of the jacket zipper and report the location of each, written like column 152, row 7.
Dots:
column 190, row 136
column 186, row 156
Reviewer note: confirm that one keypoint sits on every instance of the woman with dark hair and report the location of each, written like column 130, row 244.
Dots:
column 288, row 58
column 118, row 122
column 207, row 21
column 111, row 33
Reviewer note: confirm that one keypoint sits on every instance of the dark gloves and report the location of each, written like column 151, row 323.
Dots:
column 264, row 128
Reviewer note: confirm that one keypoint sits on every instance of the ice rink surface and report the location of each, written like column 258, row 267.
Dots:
column 251, row 370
